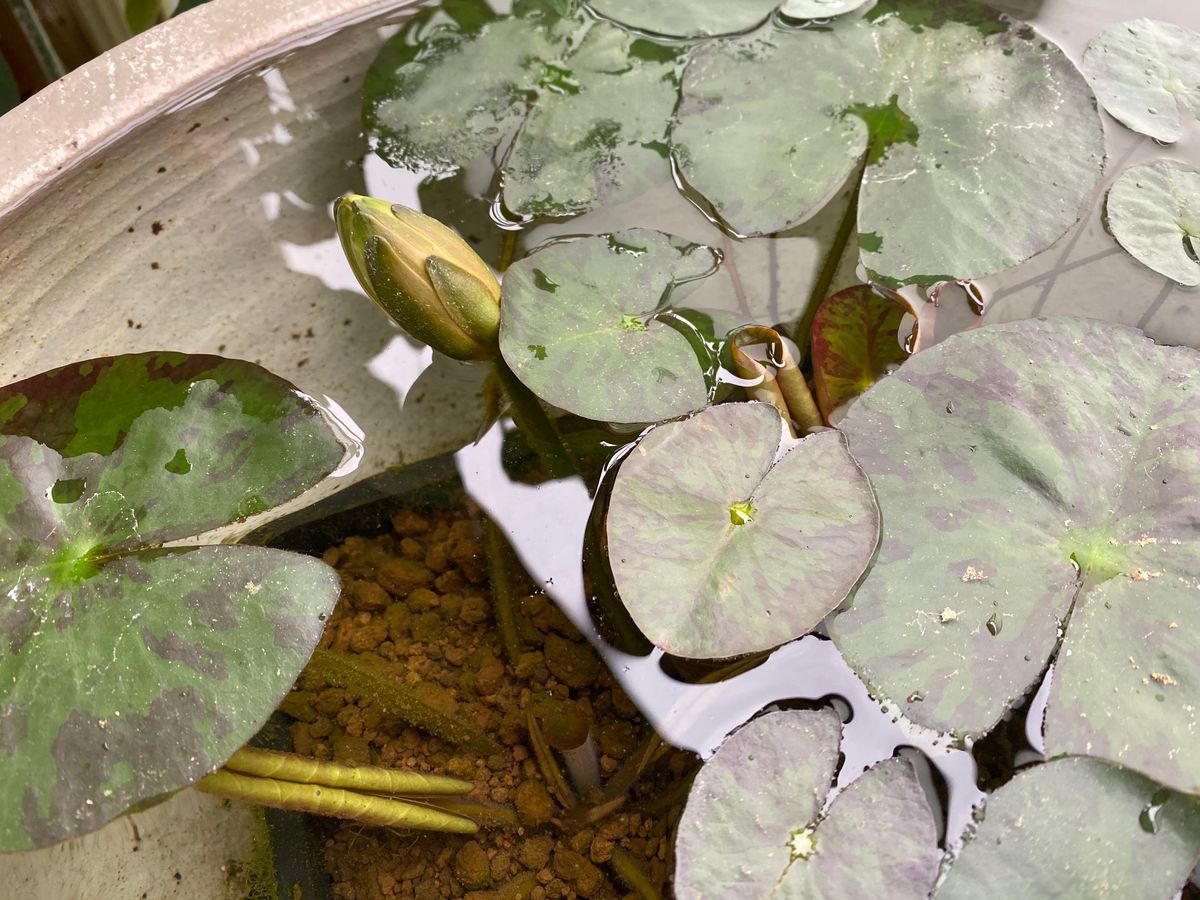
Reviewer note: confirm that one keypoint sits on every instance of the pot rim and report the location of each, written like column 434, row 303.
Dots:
column 165, row 68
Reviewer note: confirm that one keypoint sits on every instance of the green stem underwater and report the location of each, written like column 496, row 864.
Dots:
column 833, row 262
column 537, row 426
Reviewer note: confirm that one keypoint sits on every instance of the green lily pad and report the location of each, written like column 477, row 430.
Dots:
column 1145, row 73
column 1029, row 474
column 1154, row 213
column 720, row 546
column 754, row 825
column 819, row 9
column 580, row 313
column 127, row 670
column 1078, row 828
column 959, row 117
column 560, row 84
column 691, row 19
column 855, row 343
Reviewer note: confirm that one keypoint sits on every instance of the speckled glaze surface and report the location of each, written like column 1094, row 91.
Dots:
column 175, row 194
column 158, row 197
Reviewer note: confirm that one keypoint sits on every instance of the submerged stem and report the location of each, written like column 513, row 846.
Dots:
column 323, row 800
column 537, row 426
column 833, row 262
column 631, row 872
column 377, row 779
column 499, row 555
column 341, row 670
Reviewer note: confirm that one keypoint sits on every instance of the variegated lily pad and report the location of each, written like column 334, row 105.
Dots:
column 960, row 118
column 755, row 825
column 1030, row 475
column 1078, row 828
column 1154, row 213
column 437, row 97
column 723, row 540
column 128, row 670
column 1146, row 73
column 580, row 326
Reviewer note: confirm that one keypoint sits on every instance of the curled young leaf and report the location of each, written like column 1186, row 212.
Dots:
column 855, row 342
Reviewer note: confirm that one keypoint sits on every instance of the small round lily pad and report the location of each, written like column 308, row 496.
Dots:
column 755, row 824
column 721, row 545
column 1154, row 213
column 1145, row 73
column 579, row 326
column 819, row 9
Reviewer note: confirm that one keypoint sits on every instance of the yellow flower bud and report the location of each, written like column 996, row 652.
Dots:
column 423, row 275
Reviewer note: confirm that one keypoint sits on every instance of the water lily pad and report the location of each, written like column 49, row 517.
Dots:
column 129, row 671
column 560, row 84
column 581, row 313
column 754, row 827
column 819, row 9
column 691, row 19
column 959, row 117
column 1078, row 828
column 721, row 546
column 1145, row 73
column 1024, row 471
column 587, row 142
column 1154, row 213
column 855, row 343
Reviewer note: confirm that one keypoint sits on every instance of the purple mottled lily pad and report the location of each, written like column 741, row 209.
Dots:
column 128, row 670
column 723, row 540
column 1078, row 828
column 1032, row 476
column 757, row 824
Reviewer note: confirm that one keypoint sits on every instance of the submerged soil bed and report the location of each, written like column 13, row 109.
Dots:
column 416, row 605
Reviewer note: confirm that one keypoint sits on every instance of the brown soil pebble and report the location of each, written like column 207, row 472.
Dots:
column 416, row 604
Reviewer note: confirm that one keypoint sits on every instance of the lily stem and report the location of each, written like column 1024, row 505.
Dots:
column 499, row 555
column 537, row 426
column 833, row 262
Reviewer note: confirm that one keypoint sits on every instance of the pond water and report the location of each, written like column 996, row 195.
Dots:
column 410, row 408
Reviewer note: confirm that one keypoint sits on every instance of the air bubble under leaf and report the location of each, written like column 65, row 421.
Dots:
column 1146, row 73
column 1023, row 472
column 753, row 827
column 582, row 313
column 1154, row 212
column 1076, row 828
column 964, row 121
column 127, row 670
column 718, row 548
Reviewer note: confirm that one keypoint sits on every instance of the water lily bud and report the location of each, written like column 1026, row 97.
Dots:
column 425, row 276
